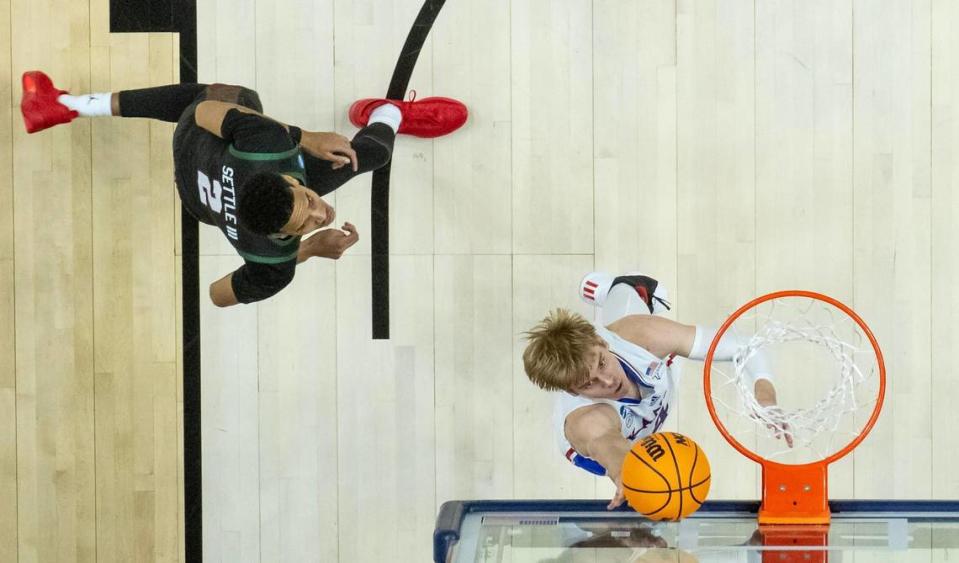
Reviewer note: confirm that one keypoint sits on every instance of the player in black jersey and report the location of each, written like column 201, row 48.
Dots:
column 259, row 181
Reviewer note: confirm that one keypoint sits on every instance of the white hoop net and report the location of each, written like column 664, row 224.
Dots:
column 826, row 377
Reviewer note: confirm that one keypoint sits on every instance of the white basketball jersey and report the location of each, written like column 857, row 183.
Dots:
column 657, row 379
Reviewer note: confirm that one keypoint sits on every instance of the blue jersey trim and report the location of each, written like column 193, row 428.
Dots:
column 633, row 375
column 588, row 464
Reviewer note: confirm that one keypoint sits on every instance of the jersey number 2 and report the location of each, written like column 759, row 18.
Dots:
column 210, row 195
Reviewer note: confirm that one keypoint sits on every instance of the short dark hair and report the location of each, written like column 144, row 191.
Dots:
column 266, row 203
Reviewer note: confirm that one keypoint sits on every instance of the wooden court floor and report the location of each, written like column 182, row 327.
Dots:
column 90, row 468
column 727, row 148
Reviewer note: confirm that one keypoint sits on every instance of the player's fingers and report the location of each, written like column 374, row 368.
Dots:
column 338, row 156
column 352, row 237
column 349, row 152
column 617, row 501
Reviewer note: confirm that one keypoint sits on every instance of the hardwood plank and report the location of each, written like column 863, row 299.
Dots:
column 944, row 205
column 298, row 484
column 474, row 377
column 230, row 433
column 386, row 429
column 635, row 127
column 716, row 254
column 55, row 438
column 892, row 235
column 552, row 133
column 9, row 121
column 473, row 166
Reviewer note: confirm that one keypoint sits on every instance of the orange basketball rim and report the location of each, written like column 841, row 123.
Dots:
column 794, row 494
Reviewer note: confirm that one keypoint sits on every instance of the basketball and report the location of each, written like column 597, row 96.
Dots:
column 666, row 476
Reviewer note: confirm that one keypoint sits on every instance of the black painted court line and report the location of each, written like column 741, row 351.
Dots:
column 185, row 22
column 380, row 195
column 179, row 16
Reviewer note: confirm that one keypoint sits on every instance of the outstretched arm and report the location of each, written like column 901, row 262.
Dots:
column 662, row 337
column 659, row 335
column 596, row 432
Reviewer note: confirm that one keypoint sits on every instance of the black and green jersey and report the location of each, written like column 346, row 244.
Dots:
column 210, row 175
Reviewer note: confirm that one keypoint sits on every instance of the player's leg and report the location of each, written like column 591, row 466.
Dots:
column 618, row 296
column 430, row 117
column 167, row 103
column 44, row 105
column 374, row 148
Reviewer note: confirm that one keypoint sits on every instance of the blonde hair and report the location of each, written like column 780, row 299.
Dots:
column 558, row 348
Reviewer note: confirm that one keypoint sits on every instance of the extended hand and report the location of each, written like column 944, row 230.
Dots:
column 332, row 243
column 330, row 146
column 766, row 397
column 619, row 498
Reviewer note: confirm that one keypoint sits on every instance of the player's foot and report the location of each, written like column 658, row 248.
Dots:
column 594, row 287
column 429, row 117
column 39, row 104
column 648, row 289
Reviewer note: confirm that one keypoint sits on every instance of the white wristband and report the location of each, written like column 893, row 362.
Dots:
column 727, row 347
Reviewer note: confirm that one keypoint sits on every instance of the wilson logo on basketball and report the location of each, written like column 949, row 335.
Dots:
column 652, row 447
column 666, row 476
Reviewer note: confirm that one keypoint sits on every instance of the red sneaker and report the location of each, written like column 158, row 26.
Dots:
column 39, row 104
column 429, row 117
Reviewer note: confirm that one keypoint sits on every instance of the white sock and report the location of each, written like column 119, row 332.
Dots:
column 388, row 114
column 89, row 105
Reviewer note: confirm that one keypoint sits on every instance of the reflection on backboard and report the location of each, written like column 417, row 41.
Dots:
column 584, row 532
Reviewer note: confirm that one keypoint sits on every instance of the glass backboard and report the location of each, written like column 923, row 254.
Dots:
column 585, row 532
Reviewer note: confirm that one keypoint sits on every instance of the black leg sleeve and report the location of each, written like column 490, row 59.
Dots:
column 374, row 148
column 165, row 103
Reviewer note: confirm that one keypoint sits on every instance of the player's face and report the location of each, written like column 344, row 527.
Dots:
column 607, row 380
column 309, row 213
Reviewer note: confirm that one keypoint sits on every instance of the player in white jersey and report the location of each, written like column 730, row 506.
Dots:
column 617, row 379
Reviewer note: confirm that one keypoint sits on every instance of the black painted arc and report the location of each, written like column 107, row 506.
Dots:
column 380, row 192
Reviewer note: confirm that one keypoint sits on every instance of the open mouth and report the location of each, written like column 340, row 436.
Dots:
column 619, row 388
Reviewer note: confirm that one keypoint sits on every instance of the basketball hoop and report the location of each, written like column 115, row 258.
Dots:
column 836, row 387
